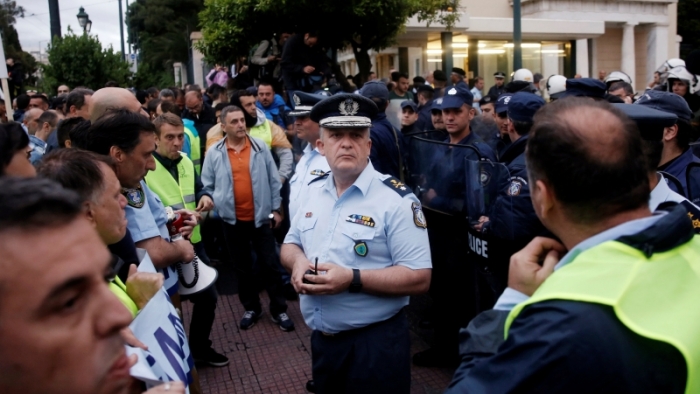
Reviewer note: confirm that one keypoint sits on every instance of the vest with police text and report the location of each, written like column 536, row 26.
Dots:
column 177, row 195
column 622, row 277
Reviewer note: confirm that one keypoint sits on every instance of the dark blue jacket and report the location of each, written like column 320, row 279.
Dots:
column 425, row 120
column 677, row 167
column 385, row 150
column 513, row 216
column 447, row 176
column 562, row 346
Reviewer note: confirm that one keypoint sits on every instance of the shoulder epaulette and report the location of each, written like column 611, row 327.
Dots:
column 693, row 214
column 320, row 177
column 397, row 186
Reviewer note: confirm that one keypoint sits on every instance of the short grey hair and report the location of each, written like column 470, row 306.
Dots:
column 227, row 110
column 166, row 93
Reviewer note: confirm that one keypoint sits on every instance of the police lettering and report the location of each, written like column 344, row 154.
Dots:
column 479, row 246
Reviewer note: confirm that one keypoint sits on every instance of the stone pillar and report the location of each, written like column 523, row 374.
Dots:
column 446, row 41
column 197, row 60
column 628, row 57
column 657, row 51
column 582, row 58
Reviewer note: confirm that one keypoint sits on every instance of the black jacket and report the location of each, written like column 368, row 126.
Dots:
column 297, row 55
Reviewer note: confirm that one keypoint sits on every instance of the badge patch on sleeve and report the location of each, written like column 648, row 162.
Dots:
column 135, row 197
column 360, row 219
column 418, row 217
column 516, row 186
column 361, row 248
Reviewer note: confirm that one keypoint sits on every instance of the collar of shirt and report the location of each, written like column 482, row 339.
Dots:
column 167, row 163
column 361, row 183
column 38, row 142
column 308, row 150
column 229, row 147
column 511, row 297
column 662, row 193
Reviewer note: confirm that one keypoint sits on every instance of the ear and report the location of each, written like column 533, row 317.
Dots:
column 117, row 154
column 670, row 133
column 320, row 145
column 89, row 213
column 542, row 197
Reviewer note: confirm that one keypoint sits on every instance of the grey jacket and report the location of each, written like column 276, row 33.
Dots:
column 218, row 181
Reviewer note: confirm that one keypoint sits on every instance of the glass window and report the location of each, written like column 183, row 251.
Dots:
column 546, row 58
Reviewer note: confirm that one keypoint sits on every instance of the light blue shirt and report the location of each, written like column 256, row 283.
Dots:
column 326, row 227
column 38, row 149
column 151, row 221
column 311, row 165
column 477, row 96
column 511, row 297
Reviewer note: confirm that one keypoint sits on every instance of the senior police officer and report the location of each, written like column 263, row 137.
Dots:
column 312, row 164
column 367, row 233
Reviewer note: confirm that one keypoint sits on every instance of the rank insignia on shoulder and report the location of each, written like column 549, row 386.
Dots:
column 361, row 248
column 397, row 186
column 135, row 197
column 323, row 176
column 360, row 219
column 317, row 172
column 418, row 216
column 693, row 214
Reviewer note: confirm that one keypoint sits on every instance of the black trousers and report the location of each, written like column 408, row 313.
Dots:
column 372, row 359
column 240, row 238
column 203, row 314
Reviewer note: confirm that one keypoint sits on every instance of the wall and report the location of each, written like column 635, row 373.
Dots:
column 641, row 34
column 608, row 54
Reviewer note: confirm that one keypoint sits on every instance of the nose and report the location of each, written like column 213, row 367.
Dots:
column 151, row 163
column 111, row 314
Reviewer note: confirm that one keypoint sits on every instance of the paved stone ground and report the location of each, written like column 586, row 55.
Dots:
column 264, row 359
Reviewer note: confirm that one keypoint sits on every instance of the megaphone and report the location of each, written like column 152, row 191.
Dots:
column 195, row 276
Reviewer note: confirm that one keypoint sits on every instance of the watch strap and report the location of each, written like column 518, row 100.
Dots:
column 356, row 284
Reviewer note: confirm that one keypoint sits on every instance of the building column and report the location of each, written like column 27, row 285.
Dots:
column 628, row 57
column 197, row 60
column 446, row 41
column 582, row 58
column 657, row 50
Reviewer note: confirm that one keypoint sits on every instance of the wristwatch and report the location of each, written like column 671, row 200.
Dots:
column 356, row 284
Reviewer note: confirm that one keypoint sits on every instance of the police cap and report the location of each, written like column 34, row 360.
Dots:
column 522, row 106
column 375, row 89
column 502, row 102
column 344, row 111
column 667, row 102
column 437, row 104
column 303, row 102
column 439, row 75
column 409, row 104
column 488, row 99
column 650, row 122
column 499, row 75
column 456, row 96
column 459, row 71
column 584, row 87
column 425, row 88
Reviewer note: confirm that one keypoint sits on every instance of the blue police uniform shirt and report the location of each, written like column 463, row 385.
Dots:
column 311, row 165
column 370, row 226
column 385, row 151
column 677, row 167
column 148, row 221
column 425, row 120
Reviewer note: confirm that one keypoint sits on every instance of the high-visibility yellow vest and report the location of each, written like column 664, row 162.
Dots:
column 656, row 297
column 264, row 132
column 119, row 289
column 177, row 195
column 195, row 150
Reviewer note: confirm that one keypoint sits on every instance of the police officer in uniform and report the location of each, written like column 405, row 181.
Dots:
column 363, row 235
column 513, row 218
column 312, row 164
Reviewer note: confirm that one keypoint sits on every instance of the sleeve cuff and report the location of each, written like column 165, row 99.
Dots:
column 509, row 299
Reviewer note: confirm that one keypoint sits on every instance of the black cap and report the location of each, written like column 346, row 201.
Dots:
column 488, row 99
column 344, row 111
column 499, row 74
column 439, row 75
column 418, row 79
column 303, row 102
column 409, row 104
column 425, row 88
column 584, row 87
column 650, row 122
column 459, row 71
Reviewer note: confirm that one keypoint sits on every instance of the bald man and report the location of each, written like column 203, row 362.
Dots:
column 106, row 98
column 29, row 123
column 201, row 113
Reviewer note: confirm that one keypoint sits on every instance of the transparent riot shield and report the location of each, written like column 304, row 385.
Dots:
column 437, row 171
column 692, row 174
column 489, row 193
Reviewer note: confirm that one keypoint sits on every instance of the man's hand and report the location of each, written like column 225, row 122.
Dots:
column 186, row 250
column 331, row 279
column 283, row 180
column 309, row 69
column 205, row 204
column 170, row 388
column 131, row 339
column 142, row 286
column 482, row 221
column 276, row 219
column 271, row 58
column 532, row 265
column 298, row 271
column 190, row 222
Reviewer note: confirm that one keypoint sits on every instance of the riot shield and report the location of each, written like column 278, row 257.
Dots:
column 437, row 171
column 488, row 196
column 692, row 177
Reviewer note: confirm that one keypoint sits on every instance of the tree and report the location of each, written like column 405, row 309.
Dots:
column 231, row 27
column 79, row 60
column 9, row 12
column 160, row 31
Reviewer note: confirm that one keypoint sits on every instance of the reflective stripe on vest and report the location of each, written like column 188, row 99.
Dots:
column 119, row 289
column 195, row 150
column 177, row 195
column 656, row 297
column 264, row 132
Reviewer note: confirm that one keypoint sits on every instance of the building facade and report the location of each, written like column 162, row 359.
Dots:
column 565, row 37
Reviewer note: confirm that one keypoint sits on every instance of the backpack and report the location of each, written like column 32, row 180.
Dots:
column 257, row 71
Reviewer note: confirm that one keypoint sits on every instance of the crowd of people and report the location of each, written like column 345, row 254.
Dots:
column 551, row 221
